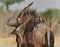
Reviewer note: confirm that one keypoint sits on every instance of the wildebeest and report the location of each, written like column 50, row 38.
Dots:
column 32, row 31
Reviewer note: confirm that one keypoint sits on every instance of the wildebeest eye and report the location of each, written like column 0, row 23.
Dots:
column 18, row 20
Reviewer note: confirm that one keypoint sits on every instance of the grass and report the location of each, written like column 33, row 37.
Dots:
column 10, row 40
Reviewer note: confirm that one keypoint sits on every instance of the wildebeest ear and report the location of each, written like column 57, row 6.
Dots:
column 29, row 25
column 40, row 18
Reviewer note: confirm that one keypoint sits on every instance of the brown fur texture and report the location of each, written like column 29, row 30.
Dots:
column 33, row 32
column 33, row 36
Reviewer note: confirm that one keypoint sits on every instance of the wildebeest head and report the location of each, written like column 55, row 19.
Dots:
column 24, row 15
column 28, row 13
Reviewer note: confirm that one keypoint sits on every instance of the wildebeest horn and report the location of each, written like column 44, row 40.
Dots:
column 28, row 6
column 24, row 9
column 11, row 24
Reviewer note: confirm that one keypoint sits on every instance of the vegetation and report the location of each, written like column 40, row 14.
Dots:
column 1, row 7
column 51, row 13
column 8, row 2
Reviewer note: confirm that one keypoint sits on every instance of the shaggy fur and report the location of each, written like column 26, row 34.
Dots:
column 32, row 32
